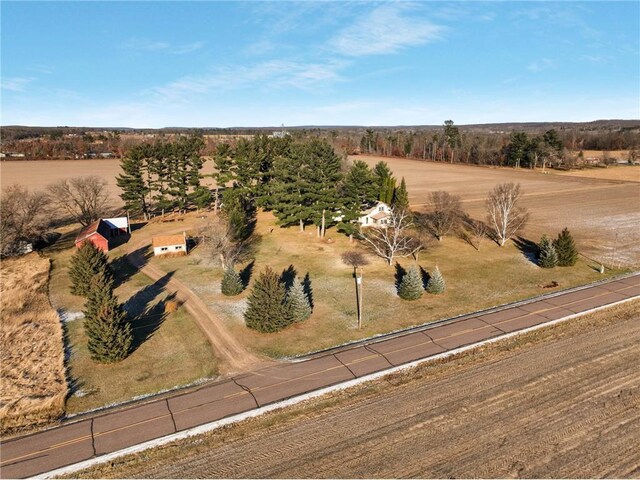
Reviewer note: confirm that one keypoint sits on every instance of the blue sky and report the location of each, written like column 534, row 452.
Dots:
column 221, row 64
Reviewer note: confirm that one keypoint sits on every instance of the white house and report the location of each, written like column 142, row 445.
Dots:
column 376, row 216
column 166, row 244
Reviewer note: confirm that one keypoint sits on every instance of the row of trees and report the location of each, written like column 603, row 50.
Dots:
column 163, row 176
column 303, row 183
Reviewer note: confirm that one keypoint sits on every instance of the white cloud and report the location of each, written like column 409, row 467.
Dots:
column 145, row 45
column 16, row 84
column 541, row 65
column 385, row 30
column 264, row 75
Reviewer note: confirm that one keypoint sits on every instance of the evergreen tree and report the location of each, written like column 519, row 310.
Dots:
column 401, row 198
column 240, row 211
column 358, row 191
column 566, row 249
column 109, row 335
column 547, row 255
column 411, row 287
column 231, row 282
column 266, row 312
column 385, row 182
column 87, row 262
column 133, row 182
column 297, row 303
column 436, row 283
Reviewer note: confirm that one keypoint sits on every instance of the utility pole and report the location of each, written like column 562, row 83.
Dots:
column 359, row 297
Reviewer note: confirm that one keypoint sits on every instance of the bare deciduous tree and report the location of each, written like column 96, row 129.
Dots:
column 24, row 217
column 445, row 214
column 84, row 199
column 473, row 231
column 218, row 239
column 394, row 240
column 354, row 259
column 504, row 216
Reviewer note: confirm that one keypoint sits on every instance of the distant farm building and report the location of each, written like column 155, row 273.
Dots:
column 377, row 216
column 170, row 244
column 105, row 233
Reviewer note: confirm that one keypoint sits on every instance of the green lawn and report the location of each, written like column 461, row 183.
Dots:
column 170, row 348
column 475, row 280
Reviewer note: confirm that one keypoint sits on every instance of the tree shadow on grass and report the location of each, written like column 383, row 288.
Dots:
column 528, row 248
column 145, row 316
column 122, row 267
column 288, row 276
column 399, row 275
column 246, row 272
column 149, row 321
column 308, row 291
column 425, row 277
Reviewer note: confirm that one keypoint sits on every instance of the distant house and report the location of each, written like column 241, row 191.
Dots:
column 376, row 216
column 170, row 244
column 105, row 233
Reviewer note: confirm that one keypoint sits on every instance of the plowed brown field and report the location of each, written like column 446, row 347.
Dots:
column 561, row 402
column 602, row 214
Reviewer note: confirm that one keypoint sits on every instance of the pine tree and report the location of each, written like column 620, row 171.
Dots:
column 401, row 198
column 109, row 335
column 566, row 249
column 132, row 181
column 411, row 287
column 266, row 312
column 385, row 182
column 297, row 303
column 436, row 283
column 547, row 255
column 231, row 282
column 87, row 262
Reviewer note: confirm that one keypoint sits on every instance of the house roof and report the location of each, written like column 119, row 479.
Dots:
column 99, row 226
column 374, row 208
column 117, row 222
column 380, row 215
column 169, row 240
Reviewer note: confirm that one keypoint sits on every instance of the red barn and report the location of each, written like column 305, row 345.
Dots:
column 106, row 233
column 98, row 233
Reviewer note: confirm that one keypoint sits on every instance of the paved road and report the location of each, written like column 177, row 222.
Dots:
column 111, row 431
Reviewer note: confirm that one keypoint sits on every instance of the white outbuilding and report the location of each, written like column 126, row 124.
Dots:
column 376, row 216
column 170, row 244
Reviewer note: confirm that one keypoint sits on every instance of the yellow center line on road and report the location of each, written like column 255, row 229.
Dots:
column 244, row 392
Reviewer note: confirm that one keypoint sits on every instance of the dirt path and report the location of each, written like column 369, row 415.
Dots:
column 567, row 407
column 234, row 358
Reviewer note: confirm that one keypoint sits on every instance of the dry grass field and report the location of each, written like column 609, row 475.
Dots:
column 625, row 173
column 475, row 280
column 560, row 402
column 603, row 215
column 37, row 174
column 32, row 353
column 170, row 350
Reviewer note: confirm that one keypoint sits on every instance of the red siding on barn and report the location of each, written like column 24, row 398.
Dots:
column 98, row 240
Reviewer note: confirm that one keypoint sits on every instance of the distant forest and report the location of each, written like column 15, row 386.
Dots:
column 488, row 144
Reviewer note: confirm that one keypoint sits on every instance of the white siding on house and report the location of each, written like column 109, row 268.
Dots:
column 169, row 249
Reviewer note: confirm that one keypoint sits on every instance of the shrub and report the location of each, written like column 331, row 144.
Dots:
column 231, row 282
column 411, row 287
column 566, row 249
column 547, row 256
column 436, row 283
column 266, row 312
column 297, row 303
